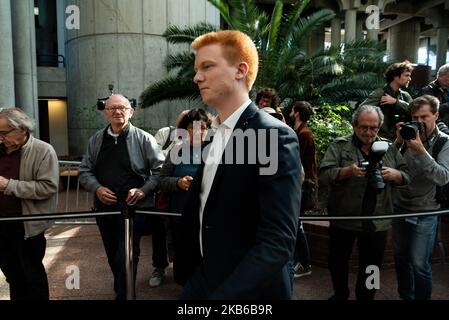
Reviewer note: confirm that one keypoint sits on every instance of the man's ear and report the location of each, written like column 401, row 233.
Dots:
column 242, row 70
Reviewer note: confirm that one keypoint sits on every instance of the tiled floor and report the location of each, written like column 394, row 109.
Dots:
column 70, row 247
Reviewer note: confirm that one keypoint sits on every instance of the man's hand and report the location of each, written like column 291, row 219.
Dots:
column 3, row 183
column 134, row 195
column 387, row 99
column 416, row 144
column 185, row 182
column 391, row 174
column 106, row 196
column 399, row 139
column 351, row 171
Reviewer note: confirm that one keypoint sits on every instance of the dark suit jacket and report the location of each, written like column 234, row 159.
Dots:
column 249, row 220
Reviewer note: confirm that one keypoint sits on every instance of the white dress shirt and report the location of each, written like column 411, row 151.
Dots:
column 223, row 132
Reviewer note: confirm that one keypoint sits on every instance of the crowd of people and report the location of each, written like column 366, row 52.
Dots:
column 239, row 235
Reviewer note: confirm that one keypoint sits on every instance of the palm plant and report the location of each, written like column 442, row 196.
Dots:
column 349, row 72
column 279, row 39
column 179, row 84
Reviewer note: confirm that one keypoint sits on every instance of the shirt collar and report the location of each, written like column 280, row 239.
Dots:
column 123, row 132
column 231, row 121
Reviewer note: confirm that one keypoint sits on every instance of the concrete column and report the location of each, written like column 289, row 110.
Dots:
column 6, row 56
column 372, row 34
column 60, row 29
column 442, row 37
column 359, row 29
column 24, row 48
column 404, row 41
column 336, row 32
column 120, row 42
column 350, row 25
column 47, row 22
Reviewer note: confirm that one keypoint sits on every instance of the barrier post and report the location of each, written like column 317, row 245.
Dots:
column 128, row 216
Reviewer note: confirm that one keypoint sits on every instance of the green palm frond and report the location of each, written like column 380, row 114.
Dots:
column 305, row 26
column 357, row 87
column 288, row 27
column 175, row 34
column 223, row 8
column 247, row 17
column 323, row 67
column 180, row 60
column 171, row 88
column 275, row 24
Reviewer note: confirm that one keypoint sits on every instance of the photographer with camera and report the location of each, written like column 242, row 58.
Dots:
column 356, row 190
column 392, row 100
column 414, row 237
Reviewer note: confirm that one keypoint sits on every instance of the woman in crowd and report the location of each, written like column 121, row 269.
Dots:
column 180, row 169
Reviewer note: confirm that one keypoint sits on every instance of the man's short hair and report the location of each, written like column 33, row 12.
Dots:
column 444, row 70
column 17, row 118
column 269, row 93
column 421, row 101
column 237, row 47
column 396, row 69
column 369, row 109
column 304, row 108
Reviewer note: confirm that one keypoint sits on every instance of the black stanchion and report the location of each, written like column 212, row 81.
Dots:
column 128, row 216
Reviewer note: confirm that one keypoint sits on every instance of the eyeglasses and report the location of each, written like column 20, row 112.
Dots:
column 5, row 133
column 366, row 128
column 118, row 108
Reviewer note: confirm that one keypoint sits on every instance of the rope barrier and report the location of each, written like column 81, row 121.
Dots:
column 89, row 214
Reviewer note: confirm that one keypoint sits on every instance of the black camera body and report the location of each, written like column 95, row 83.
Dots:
column 373, row 165
column 101, row 102
column 410, row 129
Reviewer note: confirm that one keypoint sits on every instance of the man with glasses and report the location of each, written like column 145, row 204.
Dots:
column 351, row 194
column 29, row 176
column 120, row 166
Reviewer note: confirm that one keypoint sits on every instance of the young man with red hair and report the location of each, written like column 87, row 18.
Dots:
column 240, row 221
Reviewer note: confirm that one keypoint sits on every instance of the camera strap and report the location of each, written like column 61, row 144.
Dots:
column 438, row 145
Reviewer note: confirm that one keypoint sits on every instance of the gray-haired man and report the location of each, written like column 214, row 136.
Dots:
column 29, row 178
column 356, row 191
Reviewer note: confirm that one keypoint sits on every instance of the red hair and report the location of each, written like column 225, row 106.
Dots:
column 237, row 48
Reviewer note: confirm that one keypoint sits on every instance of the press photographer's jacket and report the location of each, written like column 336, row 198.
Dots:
column 400, row 108
column 425, row 174
column 346, row 196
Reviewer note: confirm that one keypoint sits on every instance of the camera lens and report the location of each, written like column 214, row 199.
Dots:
column 410, row 129
column 375, row 179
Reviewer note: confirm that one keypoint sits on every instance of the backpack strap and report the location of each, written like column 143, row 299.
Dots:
column 168, row 141
column 441, row 140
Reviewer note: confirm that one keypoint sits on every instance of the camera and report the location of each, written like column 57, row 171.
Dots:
column 410, row 129
column 101, row 102
column 401, row 118
column 373, row 165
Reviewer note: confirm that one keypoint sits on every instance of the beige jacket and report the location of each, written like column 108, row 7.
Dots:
column 38, row 184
